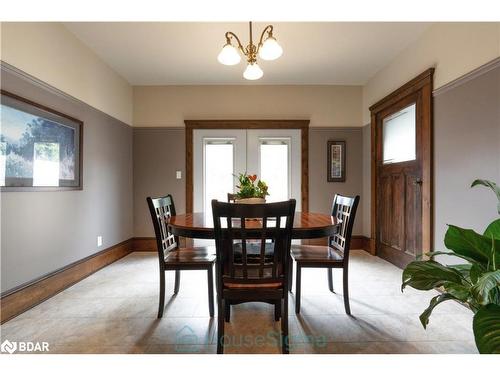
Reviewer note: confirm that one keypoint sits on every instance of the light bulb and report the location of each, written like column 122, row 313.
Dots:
column 270, row 50
column 229, row 55
column 253, row 72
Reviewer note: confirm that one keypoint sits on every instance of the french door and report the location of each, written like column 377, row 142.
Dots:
column 221, row 154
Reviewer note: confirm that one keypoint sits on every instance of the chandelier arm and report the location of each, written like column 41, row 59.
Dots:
column 230, row 34
column 269, row 29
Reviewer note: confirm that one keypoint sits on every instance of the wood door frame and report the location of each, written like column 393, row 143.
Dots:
column 303, row 125
column 422, row 85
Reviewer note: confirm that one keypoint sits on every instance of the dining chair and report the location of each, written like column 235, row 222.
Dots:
column 261, row 277
column 173, row 258
column 334, row 255
column 231, row 198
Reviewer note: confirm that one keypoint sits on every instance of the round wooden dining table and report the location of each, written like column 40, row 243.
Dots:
column 306, row 225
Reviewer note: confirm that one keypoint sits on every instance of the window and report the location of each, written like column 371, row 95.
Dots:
column 274, row 167
column 218, row 170
column 398, row 131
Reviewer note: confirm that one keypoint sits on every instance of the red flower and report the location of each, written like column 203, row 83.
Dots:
column 253, row 178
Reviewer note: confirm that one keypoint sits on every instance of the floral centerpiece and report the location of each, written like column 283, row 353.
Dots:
column 251, row 190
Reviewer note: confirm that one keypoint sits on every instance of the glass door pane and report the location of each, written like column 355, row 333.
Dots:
column 218, row 171
column 275, row 167
column 399, row 136
column 218, row 155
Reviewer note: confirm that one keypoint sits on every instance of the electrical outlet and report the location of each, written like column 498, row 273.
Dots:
column 99, row 241
column 178, row 175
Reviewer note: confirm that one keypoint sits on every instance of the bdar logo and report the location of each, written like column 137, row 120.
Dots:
column 8, row 347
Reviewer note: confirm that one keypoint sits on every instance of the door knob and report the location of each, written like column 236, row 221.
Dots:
column 418, row 181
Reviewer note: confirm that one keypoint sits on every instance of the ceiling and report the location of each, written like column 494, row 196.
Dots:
column 185, row 53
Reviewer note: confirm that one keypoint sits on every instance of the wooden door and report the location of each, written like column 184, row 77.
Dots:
column 401, row 131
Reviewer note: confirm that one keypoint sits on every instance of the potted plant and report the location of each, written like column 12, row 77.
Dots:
column 250, row 191
column 476, row 283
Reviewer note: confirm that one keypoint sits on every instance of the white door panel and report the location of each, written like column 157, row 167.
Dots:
column 282, row 149
column 218, row 154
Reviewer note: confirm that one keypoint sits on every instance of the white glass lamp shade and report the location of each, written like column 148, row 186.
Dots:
column 229, row 55
column 270, row 50
column 253, row 72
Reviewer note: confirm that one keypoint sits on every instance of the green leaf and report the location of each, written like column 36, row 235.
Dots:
column 475, row 273
column 459, row 291
column 492, row 186
column 493, row 230
column 468, row 259
column 486, row 326
column 468, row 243
column 481, row 290
column 424, row 317
column 426, row 275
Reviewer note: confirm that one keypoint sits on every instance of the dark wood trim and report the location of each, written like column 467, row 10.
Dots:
column 303, row 125
column 16, row 301
column 144, row 244
column 421, row 84
column 80, row 149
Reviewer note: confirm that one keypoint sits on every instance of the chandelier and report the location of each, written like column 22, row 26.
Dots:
column 267, row 49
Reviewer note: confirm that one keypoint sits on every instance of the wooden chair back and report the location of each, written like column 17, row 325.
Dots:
column 344, row 208
column 262, row 225
column 161, row 209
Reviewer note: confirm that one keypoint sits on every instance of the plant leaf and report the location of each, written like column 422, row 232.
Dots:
column 486, row 326
column 450, row 253
column 459, row 291
column 493, row 186
column 471, row 244
column 475, row 273
column 481, row 290
column 493, row 230
column 424, row 317
column 426, row 275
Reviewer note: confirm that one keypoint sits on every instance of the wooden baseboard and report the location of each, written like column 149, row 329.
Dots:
column 144, row 244
column 16, row 301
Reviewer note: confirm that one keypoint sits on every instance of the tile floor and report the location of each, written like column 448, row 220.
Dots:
column 114, row 311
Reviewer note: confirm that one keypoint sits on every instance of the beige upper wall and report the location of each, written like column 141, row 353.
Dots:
column 49, row 52
column 454, row 49
column 325, row 106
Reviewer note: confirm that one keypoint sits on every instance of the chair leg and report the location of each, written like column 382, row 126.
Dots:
column 346, row 291
column 161, row 305
column 290, row 275
column 210, row 280
column 284, row 325
column 227, row 312
column 277, row 311
column 220, row 325
column 177, row 281
column 297, row 289
column 330, row 279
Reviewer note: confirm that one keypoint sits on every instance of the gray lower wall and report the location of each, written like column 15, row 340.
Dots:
column 159, row 152
column 44, row 231
column 321, row 192
column 466, row 147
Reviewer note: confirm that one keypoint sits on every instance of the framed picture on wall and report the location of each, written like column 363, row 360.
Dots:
column 40, row 148
column 336, row 156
